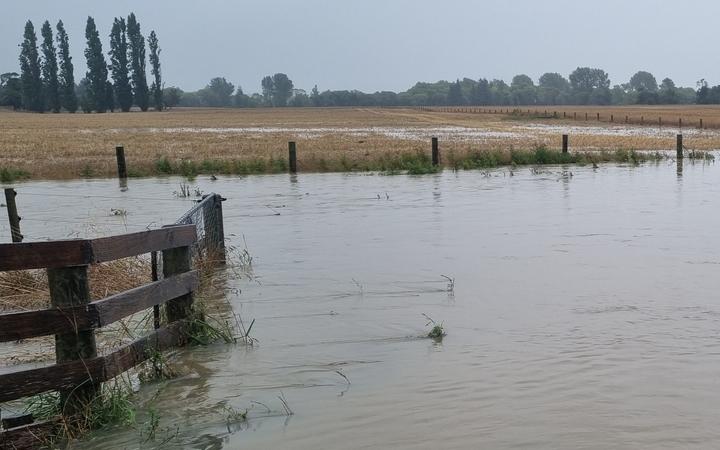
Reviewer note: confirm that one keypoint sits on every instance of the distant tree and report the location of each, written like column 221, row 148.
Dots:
column 455, row 95
column 119, row 65
column 156, row 89
column 668, row 92
column 50, row 69
column 643, row 81
column 703, row 93
column 499, row 93
column 553, row 89
column 299, row 99
column 620, row 95
column 590, row 86
column 172, row 96
column 137, row 62
column 480, row 93
column 241, row 99
column 97, row 68
column 643, row 86
column 218, row 93
column 267, row 90
column 282, row 89
column 32, row 87
column 11, row 90
column 315, row 96
column 523, row 90
column 84, row 96
column 110, row 96
column 66, row 79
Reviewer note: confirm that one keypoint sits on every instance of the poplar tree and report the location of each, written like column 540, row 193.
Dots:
column 119, row 64
column 97, row 68
column 137, row 62
column 50, row 69
column 156, row 88
column 68, row 97
column 32, row 95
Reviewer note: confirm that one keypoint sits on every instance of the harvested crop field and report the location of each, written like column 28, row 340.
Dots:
column 190, row 141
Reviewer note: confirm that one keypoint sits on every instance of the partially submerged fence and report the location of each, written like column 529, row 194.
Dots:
column 207, row 216
column 73, row 317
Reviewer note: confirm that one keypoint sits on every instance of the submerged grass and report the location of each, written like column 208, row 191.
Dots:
column 409, row 162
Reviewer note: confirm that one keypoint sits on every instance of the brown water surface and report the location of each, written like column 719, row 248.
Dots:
column 585, row 312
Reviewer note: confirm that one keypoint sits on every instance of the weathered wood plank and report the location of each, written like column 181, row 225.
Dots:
column 25, row 325
column 116, row 307
column 81, row 252
column 30, row 382
column 173, row 335
column 133, row 244
column 40, row 255
column 25, row 383
column 30, row 436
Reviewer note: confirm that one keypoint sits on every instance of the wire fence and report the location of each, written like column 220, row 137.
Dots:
column 207, row 217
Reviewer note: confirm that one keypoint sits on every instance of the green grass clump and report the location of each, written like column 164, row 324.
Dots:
column 163, row 166
column 8, row 175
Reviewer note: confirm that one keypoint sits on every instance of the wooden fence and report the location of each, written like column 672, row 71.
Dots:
column 73, row 317
column 606, row 116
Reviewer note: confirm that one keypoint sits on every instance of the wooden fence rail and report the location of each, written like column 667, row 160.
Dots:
column 79, row 371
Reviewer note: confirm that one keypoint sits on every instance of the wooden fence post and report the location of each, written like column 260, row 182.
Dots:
column 586, row 117
column 701, row 124
column 612, row 118
column 177, row 261
column 69, row 287
column 122, row 167
column 292, row 155
column 680, row 146
column 13, row 217
column 435, row 152
column 564, row 143
column 214, row 230
column 598, row 117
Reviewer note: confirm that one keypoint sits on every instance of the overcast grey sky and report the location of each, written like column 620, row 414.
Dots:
column 390, row 44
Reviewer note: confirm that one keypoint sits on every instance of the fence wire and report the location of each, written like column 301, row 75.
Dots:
column 207, row 217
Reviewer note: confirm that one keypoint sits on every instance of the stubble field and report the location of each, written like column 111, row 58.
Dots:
column 190, row 141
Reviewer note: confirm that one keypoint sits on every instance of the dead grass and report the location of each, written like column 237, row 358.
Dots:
column 27, row 290
column 48, row 146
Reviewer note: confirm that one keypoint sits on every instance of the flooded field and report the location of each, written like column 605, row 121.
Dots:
column 196, row 141
column 584, row 312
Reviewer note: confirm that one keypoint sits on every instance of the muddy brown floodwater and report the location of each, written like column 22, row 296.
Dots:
column 585, row 312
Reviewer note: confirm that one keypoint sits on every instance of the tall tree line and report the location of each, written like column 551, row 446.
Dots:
column 47, row 82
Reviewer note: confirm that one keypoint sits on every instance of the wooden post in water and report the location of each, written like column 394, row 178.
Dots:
column 680, row 146
column 292, row 155
column 214, row 230
column 13, row 217
column 122, row 167
column 69, row 287
column 564, row 143
column 435, row 152
column 175, row 262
